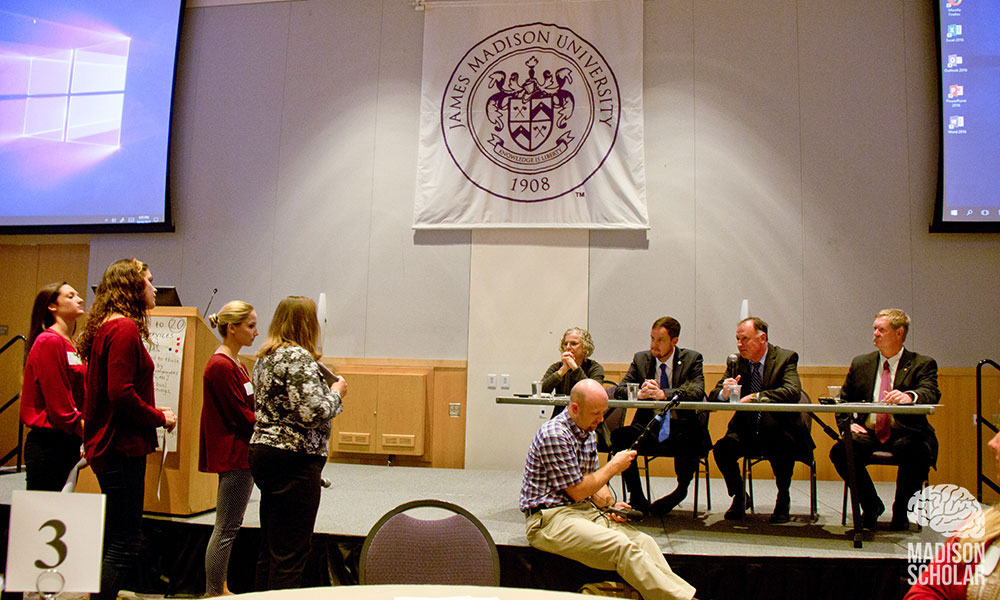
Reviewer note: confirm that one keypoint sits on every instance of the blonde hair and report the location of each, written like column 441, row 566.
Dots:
column 294, row 324
column 585, row 340
column 233, row 313
column 897, row 318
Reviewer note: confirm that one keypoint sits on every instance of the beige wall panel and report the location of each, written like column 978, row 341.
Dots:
column 526, row 288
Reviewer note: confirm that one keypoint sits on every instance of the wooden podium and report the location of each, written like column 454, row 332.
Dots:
column 183, row 490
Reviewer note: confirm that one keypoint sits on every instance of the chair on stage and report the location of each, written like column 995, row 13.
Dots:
column 453, row 550
column 879, row 457
column 702, row 467
column 810, row 461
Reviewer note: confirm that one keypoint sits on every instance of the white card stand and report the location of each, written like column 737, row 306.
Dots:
column 55, row 543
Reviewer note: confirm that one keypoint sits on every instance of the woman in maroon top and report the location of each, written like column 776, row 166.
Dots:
column 52, row 392
column 227, row 421
column 120, row 417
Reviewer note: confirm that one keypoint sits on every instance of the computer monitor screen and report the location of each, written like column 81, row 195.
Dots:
column 85, row 101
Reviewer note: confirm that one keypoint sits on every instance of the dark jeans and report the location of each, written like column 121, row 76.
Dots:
column 914, row 464
column 122, row 482
column 49, row 456
column 732, row 447
column 289, row 484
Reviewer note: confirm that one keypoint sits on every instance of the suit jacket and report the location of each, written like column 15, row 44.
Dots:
column 780, row 384
column 686, row 377
column 914, row 373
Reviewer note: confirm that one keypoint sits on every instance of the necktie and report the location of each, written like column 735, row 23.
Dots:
column 664, row 385
column 882, row 419
column 756, row 379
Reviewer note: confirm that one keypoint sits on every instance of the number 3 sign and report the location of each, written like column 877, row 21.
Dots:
column 51, row 531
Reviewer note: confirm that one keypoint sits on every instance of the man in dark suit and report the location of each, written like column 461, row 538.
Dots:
column 892, row 375
column 663, row 371
column 765, row 373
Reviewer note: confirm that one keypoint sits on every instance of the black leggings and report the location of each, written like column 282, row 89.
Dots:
column 49, row 456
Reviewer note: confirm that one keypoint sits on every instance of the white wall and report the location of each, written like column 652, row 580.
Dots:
column 791, row 158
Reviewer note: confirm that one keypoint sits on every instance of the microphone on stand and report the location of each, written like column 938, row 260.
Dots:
column 732, row 365
column 658, row 419
column 214, row 292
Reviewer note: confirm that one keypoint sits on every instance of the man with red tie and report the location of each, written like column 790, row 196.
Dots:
column 891, row 375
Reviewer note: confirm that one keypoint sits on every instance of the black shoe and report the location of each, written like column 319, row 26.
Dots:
column 738, row 507
column 869, row 519
column 667, row 503
column 899, row 523
column 780, row 514
column 639, row 503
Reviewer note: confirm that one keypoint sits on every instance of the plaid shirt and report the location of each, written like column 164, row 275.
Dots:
column 560, row 455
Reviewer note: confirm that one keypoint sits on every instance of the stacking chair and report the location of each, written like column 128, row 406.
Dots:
column 703, row 463
column 750, row 461
column 880, row 457
column 454, row 550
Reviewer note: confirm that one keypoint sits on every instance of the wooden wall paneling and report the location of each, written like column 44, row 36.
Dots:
column 447, row 438
column 402, row 412
column 353, row 430
column 20, row 268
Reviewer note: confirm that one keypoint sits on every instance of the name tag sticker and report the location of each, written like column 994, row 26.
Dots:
column 74, row 359
column 55, row 542
column 249, row 388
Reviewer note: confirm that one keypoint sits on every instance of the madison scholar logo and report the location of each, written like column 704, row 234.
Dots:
column 531, row 112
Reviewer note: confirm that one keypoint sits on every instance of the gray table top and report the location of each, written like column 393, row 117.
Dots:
column 845, row 407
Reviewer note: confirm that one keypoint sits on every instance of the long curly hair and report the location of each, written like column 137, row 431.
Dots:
column 41, row 317
column 122, row 290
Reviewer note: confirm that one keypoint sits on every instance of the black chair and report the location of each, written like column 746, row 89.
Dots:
column 702, row 465
column 879, row 457
column 810, row 461
column 454, row 550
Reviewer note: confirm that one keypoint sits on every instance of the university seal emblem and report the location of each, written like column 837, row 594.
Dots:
column 531, row 112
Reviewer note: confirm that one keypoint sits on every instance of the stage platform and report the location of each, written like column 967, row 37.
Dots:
column 750, row 558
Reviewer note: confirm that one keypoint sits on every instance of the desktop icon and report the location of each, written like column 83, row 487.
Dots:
column 954, row 60
column 954, row 2
column 954, row 30
column 954, row 91
column 984, row 212
column 956, row 122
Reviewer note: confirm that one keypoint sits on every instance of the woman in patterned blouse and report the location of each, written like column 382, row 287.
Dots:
column 290, row 440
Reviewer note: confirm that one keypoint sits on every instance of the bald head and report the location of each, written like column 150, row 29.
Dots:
column 587, row 402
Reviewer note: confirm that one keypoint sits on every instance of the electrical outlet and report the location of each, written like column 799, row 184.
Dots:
column 491, row 381
column 543, row 413
column 455, row 409
column 505, row 381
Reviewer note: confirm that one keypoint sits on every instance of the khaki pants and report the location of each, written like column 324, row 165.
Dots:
column 581, row 532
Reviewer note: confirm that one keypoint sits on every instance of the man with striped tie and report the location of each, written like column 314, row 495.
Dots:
column 766, row 373
column 892, row 375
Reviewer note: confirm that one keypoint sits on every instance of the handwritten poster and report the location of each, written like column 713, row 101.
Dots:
column 166, row 347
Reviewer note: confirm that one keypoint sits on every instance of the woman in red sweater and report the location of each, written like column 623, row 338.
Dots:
column 53, row 389
column 227, row 421
column 120, row 416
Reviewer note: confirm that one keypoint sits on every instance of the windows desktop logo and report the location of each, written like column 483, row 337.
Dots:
column 65, row 94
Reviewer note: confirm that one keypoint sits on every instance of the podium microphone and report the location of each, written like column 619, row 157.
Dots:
column 214, row 292
column 732, row 365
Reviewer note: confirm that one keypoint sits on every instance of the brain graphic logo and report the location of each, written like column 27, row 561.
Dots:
column 947, row 509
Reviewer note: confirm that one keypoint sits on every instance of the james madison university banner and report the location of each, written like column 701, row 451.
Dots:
column 531, row 116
